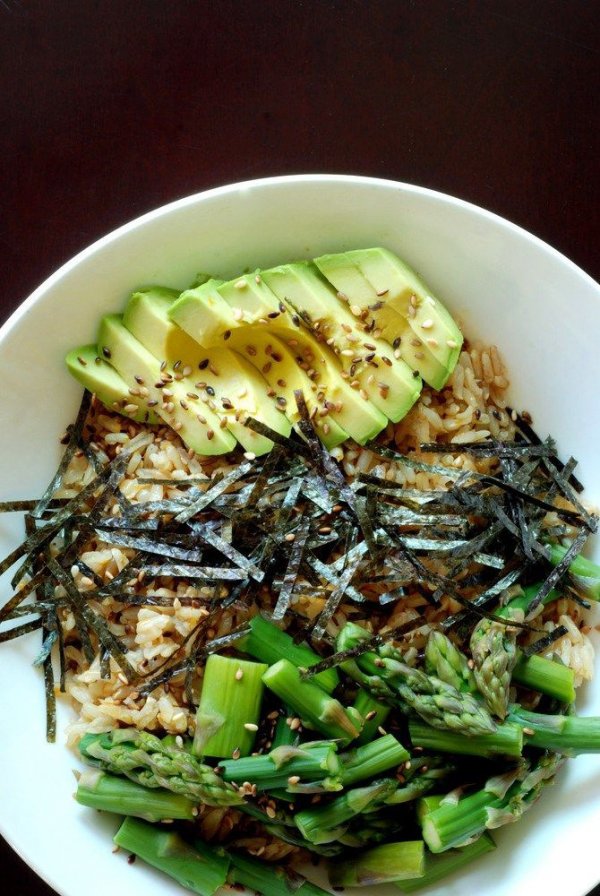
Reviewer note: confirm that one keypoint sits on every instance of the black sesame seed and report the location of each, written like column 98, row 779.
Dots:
column 203, row 364
column 106, row 352
column 210, row 391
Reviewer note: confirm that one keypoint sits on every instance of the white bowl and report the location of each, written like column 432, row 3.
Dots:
column 505, row 285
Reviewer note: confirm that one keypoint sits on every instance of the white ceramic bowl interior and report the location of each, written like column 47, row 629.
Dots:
column 505, row 286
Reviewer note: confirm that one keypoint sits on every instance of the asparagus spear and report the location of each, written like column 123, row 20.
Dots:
column 372, row 713
column 323, row 824
column 198, row 868
column 494, row 650
column 420, row 775
column 379, row 865
column 438, row 703
column 229, row 710
column 372, row 759
column 311, row 702
column 444, row 659
column 569, row 735
column 584, row 571
column 438, row 867
column 312, row 767
column 269, row 880
column 109, row 793
column 268, row 643
column 144, row 759
column 506, row 740
column 501, row 801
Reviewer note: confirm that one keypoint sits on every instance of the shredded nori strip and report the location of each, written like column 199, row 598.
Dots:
column 336, row 596
column 558, row 571
column 291, row 572
column 546, row 641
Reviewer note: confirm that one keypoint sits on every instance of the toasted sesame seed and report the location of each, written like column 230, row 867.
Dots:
column 271, row 812
column 257, row 278
column 397, row 354
column 263, row 320
column 290, row 537
column 177, row 425
column 427, row 324
column 276, row 357
column 451, row 343
column 134, row 391
column 529, row 732
column 81, row 361
column 370, row 379
column 356, row 310
column 251, row 350
column 223, row 423
column 186, row 370
column 184, row 404
column 342, row 296
column 382, row 730
column 376, row 306
column 415, row 342
column 432, row 342
column 295, row 723
column 293, row 780
column 326, row 428
column 240, row 284
column 382, row 292
column 250, row 726
column 236, row 753
column 370, row 715
column 249, row 455
column 192, row 395
column 266, row 367
column 363, row 395
column 411, row 311
column 386, row 360
column 131, row 408
column 210, row 434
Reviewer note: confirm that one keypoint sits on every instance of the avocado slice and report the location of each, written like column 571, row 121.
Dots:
column 96, row 374
column 395, row 304
column 253, row 301
column 237, row 389
column 199, row 311
column 388, row 381
column 195, row 422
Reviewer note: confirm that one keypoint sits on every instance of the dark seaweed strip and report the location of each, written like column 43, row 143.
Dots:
column 357, row 550
column 86, row 570
column 293, row 446
column 533, row 437
column 217, row 488
column 227, row 531
column 292, row 569
column 152, row 546
column 530, row 499
column 27, row 505
column 403, row 516
column 516, row 510
column 75, row 430
column 172, row 483
column 591, row 521
column 153, row 600
column 316, row 492
column 96, row 623
column 335, row 598
column 546, row 641
column 199, row 573
column 558, row 572
column 50, row 695
column 418, row 465
column 262, row 480
column 19, row 596
column 490, row 595
column 19, row 630
column 211, row 538
column 324, row 571
column 105, row 672
column 37, row 609
column 48, row 643
column 487, row 449
column 122, row 578
column 281, row 522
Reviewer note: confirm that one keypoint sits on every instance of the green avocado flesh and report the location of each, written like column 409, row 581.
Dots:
column 399, row 306
column 356, row 332
column 236, row 389
column 96, row 374
column 199, row 427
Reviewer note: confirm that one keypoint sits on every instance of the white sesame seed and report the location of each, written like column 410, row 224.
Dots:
column 451, row 343
column 240, row 284
column 427, row 324
column 250, row 726
column 239, row 674
column 356, row 310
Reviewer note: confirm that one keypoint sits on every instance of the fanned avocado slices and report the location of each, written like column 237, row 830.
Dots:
column 197, row 425
column 97, row 375
column 389, row 382
column 392, row 300
column 224, row 380
column 354, row 332
column 199, row 312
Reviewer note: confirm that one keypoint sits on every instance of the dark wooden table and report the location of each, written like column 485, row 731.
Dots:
column 108, row 109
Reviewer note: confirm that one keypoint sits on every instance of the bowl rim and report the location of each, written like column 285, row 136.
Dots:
column 283, row 179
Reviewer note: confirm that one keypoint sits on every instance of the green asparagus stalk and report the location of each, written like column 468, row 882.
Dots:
column 585, row 572
column 197, row 868
column 283, row 736
column 324, row 824
column 448, row 663
column 379, row 865
column 269, row 880
column 144, row 759
column 494, row 650
column 569, row 735
column 372, row 713
column 438, row 703
column 371, row 760
column 438, row 867
column 229, row 710
column 427, row 804
column 506, row 740
column 109, row 793
column 268, row 643
column 501, row 801
column 546, row 676
column 420, row 776
column 313, row 705
column 290, row 768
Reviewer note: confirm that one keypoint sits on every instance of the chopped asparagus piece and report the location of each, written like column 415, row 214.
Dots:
column 382, row 864
column 109, row 793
